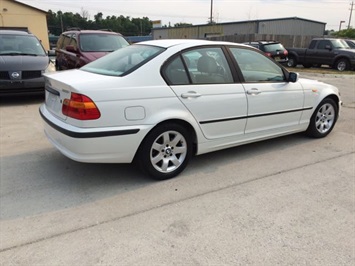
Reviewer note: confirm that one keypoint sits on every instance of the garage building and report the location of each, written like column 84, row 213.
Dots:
column 250, row 30
column 14, row 14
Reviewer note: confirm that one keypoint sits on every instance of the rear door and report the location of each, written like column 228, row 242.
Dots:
column 208, row 91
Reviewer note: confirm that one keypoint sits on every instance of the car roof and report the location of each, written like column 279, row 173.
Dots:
column 15, row 32
column 78, row 31
column 166, row 43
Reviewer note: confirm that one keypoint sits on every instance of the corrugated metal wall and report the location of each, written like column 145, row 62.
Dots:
column 291, row 27
column 293, row 32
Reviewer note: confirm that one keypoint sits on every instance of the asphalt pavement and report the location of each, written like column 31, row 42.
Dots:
column 285, row 201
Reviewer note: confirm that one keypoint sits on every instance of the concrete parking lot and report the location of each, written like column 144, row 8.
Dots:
column 286, row 201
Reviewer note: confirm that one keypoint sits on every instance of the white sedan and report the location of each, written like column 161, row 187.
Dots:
column 160, row 102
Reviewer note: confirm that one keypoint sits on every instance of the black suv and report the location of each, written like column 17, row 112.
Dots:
column 75, row 48
column 272, row 49
column 22, row 62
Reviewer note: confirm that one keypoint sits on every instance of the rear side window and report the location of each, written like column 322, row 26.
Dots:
column 123, row 61
column 199, row 66
column 63, row 41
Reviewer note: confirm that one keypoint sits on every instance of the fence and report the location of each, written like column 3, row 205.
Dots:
column 286, row 40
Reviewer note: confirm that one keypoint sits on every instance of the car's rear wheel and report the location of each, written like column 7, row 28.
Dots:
column 323, row 119
column 165, row 151
column 342, row 64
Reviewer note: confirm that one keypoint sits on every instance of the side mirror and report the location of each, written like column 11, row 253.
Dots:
column 293, row 77
column 70, row 48
column 51, row 53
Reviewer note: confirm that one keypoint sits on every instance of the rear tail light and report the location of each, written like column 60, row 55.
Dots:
column 80, row 107
column 285, row 52
column 268, row 54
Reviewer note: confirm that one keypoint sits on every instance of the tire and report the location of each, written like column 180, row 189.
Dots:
column 292, row 61
column 342, row 64
column 323, row 119
column 166, row 151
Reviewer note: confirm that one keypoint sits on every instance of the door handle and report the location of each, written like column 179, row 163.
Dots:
column 190, row 94
column 253, row 91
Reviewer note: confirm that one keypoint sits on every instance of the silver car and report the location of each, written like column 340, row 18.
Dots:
column 23, row 60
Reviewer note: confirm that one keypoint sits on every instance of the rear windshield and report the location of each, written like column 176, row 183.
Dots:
column 20, row 45
column 123, row 61
column 100, row 42
column 273, row 47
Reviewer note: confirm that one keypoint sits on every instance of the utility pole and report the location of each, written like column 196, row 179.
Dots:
column 211, row 18
column 351, row 12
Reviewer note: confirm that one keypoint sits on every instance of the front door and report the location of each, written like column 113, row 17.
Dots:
column 274, row 105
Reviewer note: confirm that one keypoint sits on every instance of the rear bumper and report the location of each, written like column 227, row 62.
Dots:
column 93, row 145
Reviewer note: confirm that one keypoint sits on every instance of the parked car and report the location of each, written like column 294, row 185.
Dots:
column 53, row 41
column 160, row 102
column 76, row 48
column 273, row 49
column 23, row 60
column 323, row 51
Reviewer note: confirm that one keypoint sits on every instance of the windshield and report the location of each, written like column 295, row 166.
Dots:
column 123, row 61
column 100, row 42
column 20, row 45
column 338, row 44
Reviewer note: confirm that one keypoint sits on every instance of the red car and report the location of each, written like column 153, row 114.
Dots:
column 76, row 48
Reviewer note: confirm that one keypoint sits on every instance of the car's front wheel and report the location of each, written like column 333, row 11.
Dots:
column 323, row 119
column 165, row 151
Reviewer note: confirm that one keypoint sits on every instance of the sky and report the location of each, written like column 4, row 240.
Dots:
column 198, row 12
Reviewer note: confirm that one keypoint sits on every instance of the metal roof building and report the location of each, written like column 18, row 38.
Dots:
column 280, row 26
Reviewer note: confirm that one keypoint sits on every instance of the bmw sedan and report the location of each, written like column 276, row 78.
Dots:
column 158, row 103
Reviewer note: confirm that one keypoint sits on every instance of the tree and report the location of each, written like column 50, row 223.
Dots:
column 348, row 33
column 181, row 24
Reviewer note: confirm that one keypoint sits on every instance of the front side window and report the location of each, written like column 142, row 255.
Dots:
column 123, row 61
column 324, row 44
column 256, row 67
column 100, row 42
